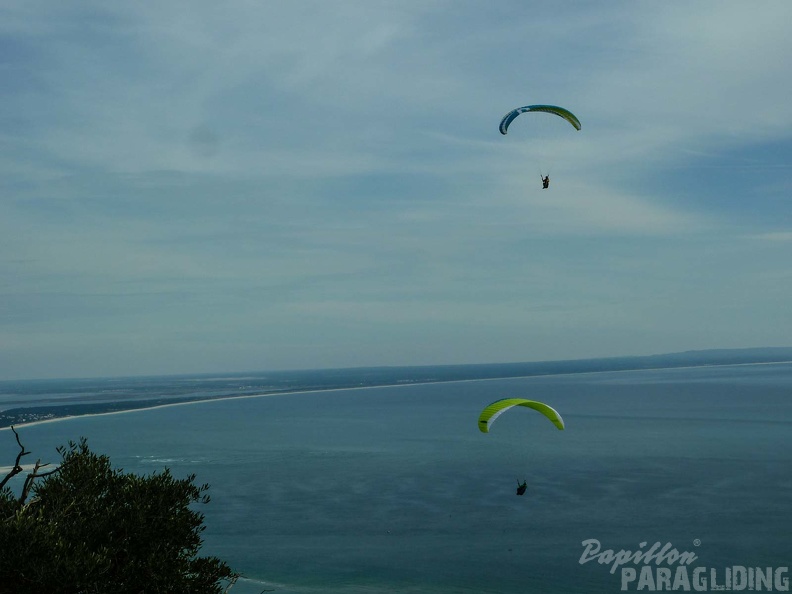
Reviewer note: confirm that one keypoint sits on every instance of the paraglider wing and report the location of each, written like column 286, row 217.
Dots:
column 559, row 111
column 496, row 409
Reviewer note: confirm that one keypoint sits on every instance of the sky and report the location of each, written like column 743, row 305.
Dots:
column 191, row 187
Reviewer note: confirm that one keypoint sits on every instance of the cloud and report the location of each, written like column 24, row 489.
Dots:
column 775, row 236
column 266, row 172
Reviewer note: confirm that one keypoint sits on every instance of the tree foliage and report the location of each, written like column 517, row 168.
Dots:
column 90, row 529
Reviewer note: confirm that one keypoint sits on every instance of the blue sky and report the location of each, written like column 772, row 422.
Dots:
column 194, row 186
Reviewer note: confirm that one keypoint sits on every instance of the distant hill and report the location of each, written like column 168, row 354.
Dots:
column 723, row 356
column 501, row 370
column 372, row 376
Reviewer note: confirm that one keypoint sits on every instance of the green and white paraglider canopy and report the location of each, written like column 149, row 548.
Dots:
column 554, row 109
column 497, row 408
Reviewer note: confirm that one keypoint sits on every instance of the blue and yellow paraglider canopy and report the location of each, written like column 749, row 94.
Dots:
column 554, row 109
column 497, row 408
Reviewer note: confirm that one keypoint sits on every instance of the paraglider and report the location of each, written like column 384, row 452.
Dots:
column 551, row 109
column 497, row 408
column 554, row 109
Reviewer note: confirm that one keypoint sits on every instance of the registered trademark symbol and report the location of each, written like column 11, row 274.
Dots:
column 696, row 542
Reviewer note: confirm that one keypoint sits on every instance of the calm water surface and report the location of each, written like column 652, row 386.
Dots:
column 394, row 489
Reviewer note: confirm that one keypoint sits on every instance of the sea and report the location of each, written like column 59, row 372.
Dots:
column 661, row 479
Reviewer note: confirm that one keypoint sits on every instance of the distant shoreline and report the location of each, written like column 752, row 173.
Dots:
column 55, row 413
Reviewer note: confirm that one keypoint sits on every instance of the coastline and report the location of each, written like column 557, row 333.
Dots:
column 403, row 383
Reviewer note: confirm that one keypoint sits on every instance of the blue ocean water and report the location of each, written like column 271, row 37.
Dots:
column 394, row 489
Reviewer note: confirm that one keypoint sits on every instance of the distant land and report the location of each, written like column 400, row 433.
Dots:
column 31, row 401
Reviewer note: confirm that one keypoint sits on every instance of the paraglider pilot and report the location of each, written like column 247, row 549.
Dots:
column 545, row 181
column 521, row 488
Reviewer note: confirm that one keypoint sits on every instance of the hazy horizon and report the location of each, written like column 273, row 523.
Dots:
column 704, row 357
